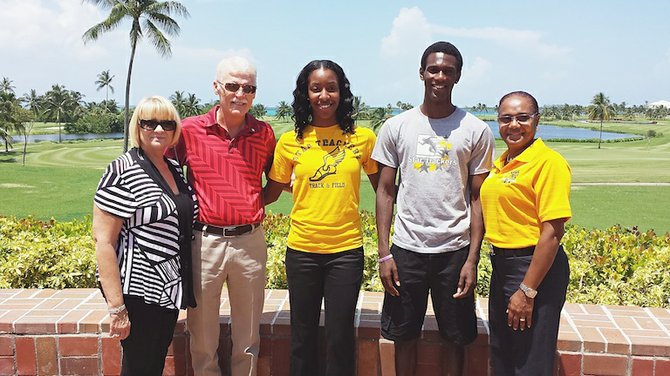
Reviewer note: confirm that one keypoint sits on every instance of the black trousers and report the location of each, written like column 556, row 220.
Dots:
column 151, row 331
column 335, row 278
column 531, row 351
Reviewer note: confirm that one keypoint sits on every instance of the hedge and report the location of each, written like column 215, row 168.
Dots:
column 620, row 266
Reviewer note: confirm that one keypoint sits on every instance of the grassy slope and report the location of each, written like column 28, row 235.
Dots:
column 59, row 180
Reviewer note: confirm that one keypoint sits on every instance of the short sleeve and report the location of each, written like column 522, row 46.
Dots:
column 113, row 196
column 481, row 160
column 282, row 166
column 369, row 165
column 552, row 189
column 385, row 150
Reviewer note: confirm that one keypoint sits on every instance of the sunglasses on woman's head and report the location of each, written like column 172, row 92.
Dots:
column 150, row 125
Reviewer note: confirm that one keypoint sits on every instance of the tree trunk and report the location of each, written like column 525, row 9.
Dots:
column 58, row 121
column 601, row 133
column 127, row 118
column 25, row 147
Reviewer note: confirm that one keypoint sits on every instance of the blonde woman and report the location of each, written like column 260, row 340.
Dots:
column 143, row 215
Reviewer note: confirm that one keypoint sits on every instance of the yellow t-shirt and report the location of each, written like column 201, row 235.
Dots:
column 326, row 191
column 531, row 189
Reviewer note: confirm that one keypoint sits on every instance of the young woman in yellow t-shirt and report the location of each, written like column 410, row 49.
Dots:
column 525, row 204
column 324, row 257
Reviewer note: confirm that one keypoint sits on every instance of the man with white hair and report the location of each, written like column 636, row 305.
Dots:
column 227, row 151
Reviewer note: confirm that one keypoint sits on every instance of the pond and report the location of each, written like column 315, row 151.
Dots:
column 547, row 132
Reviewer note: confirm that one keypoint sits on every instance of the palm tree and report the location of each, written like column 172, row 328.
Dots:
column 361, row 110
column 600, row 109
column 57, row 103
column 6, row 85
column 179, row 101
column 284, row 110
column 191, row 105
column 258, row 111
column 150, row 18
column 105, row 81
column 33, row 101
column 379, row 115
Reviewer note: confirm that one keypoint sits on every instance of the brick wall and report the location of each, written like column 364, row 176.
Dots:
column 49, row 332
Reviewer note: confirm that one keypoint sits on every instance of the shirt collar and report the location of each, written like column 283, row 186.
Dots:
column 251, row 124
column 526, row 156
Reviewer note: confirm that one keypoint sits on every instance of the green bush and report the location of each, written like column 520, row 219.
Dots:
column 614, row 266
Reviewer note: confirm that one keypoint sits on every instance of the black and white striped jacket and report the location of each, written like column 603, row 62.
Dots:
column 153, row 253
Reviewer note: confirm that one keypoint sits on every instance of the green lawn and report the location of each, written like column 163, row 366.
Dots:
column 59, row 179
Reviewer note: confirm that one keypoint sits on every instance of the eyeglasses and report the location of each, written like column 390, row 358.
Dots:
column 233, row 87
column 520, row 118
column 151, row 125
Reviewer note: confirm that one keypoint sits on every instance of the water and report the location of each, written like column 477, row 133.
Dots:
column 552, row 132
column 547, row 132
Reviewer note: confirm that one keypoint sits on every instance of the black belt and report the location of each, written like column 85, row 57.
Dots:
column 512, row 252
column 225, row 231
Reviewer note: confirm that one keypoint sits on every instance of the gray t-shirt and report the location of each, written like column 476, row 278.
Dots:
column 435, row 158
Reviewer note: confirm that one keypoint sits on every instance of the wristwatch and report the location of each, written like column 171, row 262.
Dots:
column 531, row 293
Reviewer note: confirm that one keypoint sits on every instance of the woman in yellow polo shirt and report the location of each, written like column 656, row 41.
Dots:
column 525, row 203
column 324, row 259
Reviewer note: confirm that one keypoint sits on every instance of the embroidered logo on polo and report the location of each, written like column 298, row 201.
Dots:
column 510, row 177
column 432, row 153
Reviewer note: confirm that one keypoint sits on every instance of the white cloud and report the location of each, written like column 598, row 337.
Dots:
column 478, row 71
column 410, row 29
column 32, row 26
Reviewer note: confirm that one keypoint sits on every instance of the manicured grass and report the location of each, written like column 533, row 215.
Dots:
column 59, row 179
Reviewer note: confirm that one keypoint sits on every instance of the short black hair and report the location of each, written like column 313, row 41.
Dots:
column 302, row 110
column 444, row 47
column 521, row 93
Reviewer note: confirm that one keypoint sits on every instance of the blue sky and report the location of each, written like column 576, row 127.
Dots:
column 561, row 51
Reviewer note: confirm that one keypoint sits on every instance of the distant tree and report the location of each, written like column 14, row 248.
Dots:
column 258, row 111
column 57, row 104
column 379, row 115
column 404, row 106
column 13, row 117
column 284, row 110
column 361, row 110
column 104, row 81
column 149, row 18
column 34, row 102
column 600, row 109
column 6, row 85
column 192, row 105
column 178, row 99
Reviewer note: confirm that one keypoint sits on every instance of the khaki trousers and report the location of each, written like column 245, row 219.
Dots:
column 239, row 262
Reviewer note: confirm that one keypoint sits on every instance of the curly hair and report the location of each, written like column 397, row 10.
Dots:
column 302, row 109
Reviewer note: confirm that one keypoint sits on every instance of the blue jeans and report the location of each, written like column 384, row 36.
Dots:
column 335, row 278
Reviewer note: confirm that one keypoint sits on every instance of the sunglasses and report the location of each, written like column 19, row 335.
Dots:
column 520, row 118
column 233, row 87
column 151, row 125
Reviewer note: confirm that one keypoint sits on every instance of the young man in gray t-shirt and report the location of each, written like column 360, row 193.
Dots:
column 443, row 154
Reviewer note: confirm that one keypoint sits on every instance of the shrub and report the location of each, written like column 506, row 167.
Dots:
column 622, row 266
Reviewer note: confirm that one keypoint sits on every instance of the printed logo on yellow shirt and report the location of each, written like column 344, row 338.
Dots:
column 432, row 153
column 510, row 177
column 330, row 163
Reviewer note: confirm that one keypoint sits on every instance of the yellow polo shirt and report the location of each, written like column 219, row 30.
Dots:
column 531, row 189
column 326, row 191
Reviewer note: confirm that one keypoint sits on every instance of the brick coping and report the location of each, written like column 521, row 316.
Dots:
column 585, row 328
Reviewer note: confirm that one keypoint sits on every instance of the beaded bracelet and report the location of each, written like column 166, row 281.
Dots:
column 116, row 310
column 385, row 258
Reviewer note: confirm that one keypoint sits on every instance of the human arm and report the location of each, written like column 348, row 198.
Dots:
column 374, row 180
column 106, row 229
column 272, row 191
column 467, row 280
column 388, row 271
column 520, row 306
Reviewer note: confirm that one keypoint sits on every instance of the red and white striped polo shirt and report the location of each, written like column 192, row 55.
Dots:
column 226, row 173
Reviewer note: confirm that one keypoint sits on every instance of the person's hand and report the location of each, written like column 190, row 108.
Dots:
column 520, row 311
column 119, row 327
column 388, row 273
column 467, row 280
